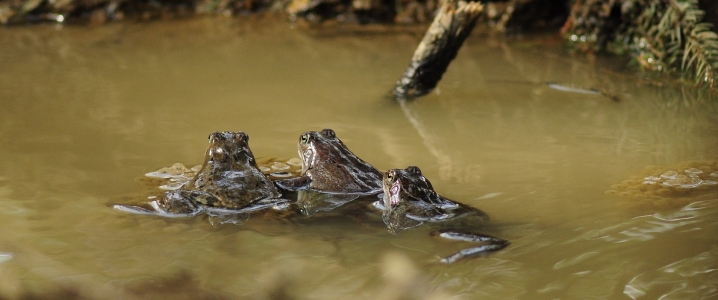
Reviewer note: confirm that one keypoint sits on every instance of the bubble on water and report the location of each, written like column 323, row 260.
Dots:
column 158, row 175
column 174, row 171
column 280, row 166
column 670, row 186
column 694, row 184
column 265, row 169
column 669, row 175
column 694, row 171
column 172, row 186
column 671, row 182
column 295, row 162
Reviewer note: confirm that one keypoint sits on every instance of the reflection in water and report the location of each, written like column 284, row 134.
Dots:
column 86, row 111
column 311, row 202
column 432, row 142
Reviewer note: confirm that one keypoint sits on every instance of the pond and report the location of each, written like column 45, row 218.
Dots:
column 87, row 111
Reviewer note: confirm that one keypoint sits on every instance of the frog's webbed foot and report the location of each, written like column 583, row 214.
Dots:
column 134, row 209
column 491, row 244
column 294, row 184
column 483, row 249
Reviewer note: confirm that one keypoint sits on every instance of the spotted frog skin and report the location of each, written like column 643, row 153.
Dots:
column 328, row 166
column 409, row 201
column 229, row 179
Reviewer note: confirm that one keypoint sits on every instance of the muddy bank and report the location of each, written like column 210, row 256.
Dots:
column 515, row 15
column 675, row 38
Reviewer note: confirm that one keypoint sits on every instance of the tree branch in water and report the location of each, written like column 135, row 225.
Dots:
column 451, row 26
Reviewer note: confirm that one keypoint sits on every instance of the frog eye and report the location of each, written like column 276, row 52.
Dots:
column 242, row 136
column 390, row 175
column 414, row 170
column 214, row 136
column 329, row 133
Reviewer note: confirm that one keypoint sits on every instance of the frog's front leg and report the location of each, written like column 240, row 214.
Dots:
column 491, row 244
column 178, row 203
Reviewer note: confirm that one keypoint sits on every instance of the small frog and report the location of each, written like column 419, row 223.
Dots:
column 409, row 200
column 229, row 180
column 328, row 166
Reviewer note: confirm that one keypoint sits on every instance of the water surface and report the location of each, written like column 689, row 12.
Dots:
column 87, row 111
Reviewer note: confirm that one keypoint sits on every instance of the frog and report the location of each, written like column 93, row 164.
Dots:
column 229, row 181
column 409, row 200
column 329, row 166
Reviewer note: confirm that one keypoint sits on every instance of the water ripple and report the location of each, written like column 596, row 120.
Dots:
column 644, row 228
column 5, row 256
column 695, row 277
column 573, row 261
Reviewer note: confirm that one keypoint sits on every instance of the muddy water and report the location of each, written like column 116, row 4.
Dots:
column 85, row 112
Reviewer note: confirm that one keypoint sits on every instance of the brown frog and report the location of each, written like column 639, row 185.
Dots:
column 409, row 201
column 229, row 180
column 328, row 166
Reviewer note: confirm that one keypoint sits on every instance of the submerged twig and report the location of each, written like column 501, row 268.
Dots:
column 569, row 88
column 452, row 24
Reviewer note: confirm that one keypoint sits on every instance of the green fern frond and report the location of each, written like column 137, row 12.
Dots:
column 664, row 35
